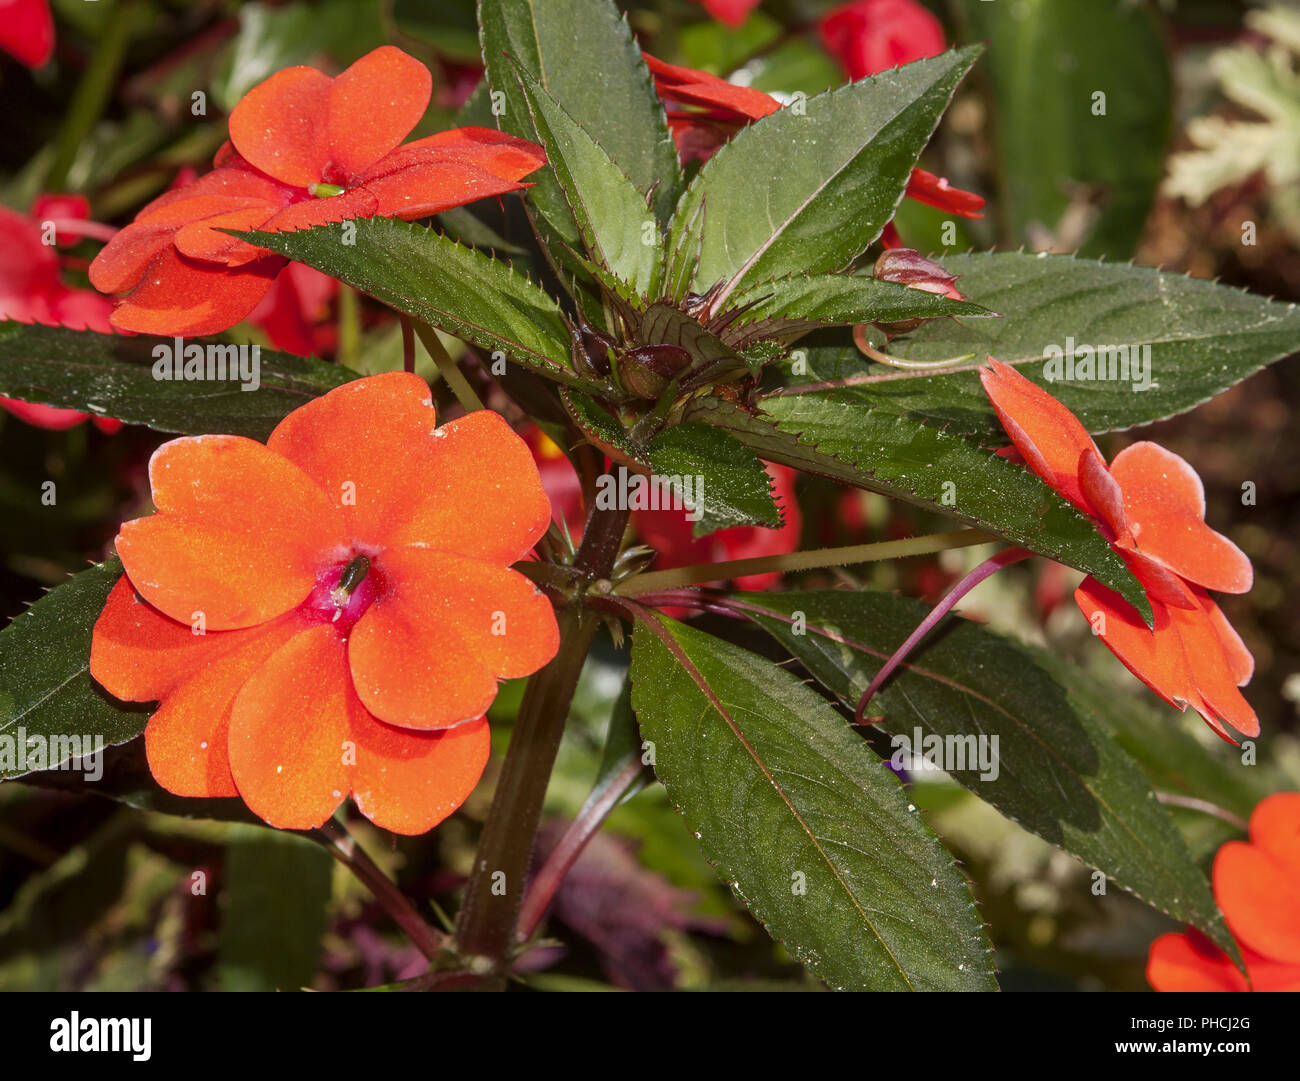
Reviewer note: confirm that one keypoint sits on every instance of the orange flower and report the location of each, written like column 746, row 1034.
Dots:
column 329, row 613
column 304, row 150
column 1257, row 885
column 1151, row 506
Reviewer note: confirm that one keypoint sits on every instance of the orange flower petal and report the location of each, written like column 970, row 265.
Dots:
column 935, row 191
column 428, row 653
column 1191, row 962
column 1241, row 665
column 699, row 88
column 408, row 781
column 239, row 535
column 373, row 106
column 470, row 486
column 290, row 730
column 186, row 740
column 1165, row 503
column 281, row 126
column 1275, row 828
column 1260, row 898
column 356, row 203
column 1155, row 656
column 1049, row 436
column 177, row 296
column 137, row 653
column 1212, row 672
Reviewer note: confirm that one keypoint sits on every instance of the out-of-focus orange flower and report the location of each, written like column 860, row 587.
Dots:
column 1257, row 885
column 293, row 310
column 305, row 149
column 32, row 291
column 329, row 613
column 706, row 111
column 731, row 13
column 27, row 31
column 671, row 534
column 870, row 36
column 559, row 479
column 1150, row 505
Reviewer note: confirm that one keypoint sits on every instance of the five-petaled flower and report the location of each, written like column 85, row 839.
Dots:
column 1257, row 885
column 1150, row 505
column 706, row 111
column 329, row 613
column 305, row 149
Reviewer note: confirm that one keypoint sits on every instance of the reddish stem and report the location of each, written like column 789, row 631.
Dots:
column 991, row 566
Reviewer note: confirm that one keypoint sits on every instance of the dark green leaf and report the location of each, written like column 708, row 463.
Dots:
column 582, row 53
column 831, row 175
column 432, row 278
column 112, row 376
column 1056, row 771
column 46, row 691
column 1203, row 338
column 906, row 458
column 803, row 821
column 731, row 486
column 611, row 217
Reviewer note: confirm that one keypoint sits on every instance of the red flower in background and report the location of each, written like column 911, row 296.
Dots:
column 705, row 111
column 305, row 149
column 559, row 479
column 870, row 36
column 671, row 534
column 731, row 13
column 27, row 31
column 292, row 310
column 1257, row 885
column 1150, row 505
column 32, row 291
column 329, row 613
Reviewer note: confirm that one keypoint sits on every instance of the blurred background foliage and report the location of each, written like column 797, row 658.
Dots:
column 1194, row 165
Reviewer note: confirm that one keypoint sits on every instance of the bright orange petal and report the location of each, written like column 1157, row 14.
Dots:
column 187, row 738
column 282, row 125
column 1241, row 664
column 408, row 781
column 1260, row 900
column 137, row 653
column 290, row 732
column 239, row 536
column 1165, row 503
column 181, row 296
column 1191, row 963
column 691, row 87
column 373, row 106
column 1049, row 436
column 1212, row 672
column 1275, row 827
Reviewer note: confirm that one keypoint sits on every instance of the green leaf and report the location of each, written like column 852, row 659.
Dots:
column 609, row 214
column 1047, row 60
column 1203, row 338
column 802, row 820
column 46, row 691
column 583, row 55
column 904, row 457
column 275, row 890
column 731, row 486
column 831, row 175
column 112, row 376
column 601, row 428
column 1173, row 759
column 432, row 278
column 1056, row 772
column 840, row 299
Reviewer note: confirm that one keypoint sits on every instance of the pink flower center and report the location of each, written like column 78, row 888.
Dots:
column 343, row 592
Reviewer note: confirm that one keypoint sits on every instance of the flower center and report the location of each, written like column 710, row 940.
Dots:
column 343, row 592
column 324, row 191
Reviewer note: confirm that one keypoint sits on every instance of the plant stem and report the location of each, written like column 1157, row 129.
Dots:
column 344, row 848
column 657, row 581
column 448, row 368
column 485, row 929
column 92, row 92
column 989, row 567
column 565, row 854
